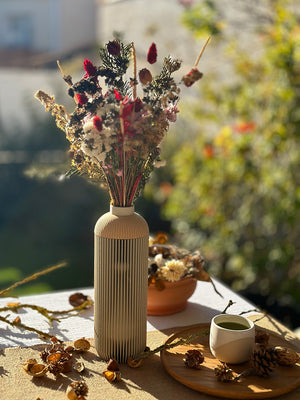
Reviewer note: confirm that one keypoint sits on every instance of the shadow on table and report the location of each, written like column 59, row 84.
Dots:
column 193, row 314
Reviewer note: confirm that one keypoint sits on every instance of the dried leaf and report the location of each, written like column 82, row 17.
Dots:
column 12, row 304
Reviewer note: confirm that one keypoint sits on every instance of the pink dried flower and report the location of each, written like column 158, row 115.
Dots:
column 152, row 54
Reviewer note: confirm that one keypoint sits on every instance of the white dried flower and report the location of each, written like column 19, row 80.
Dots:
column 173, row 270
column 159, row 260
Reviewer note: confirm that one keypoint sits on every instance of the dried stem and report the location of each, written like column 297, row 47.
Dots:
column 168, row 346
column 27, row 328
column 32, row 277
column 49, row 314
column 201, row 52
column 134, row 71
column 230, row 303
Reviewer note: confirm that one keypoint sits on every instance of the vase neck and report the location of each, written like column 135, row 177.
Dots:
column 121, row 211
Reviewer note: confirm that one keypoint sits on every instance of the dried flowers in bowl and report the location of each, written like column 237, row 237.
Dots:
column 115, row 134
column 172, row 276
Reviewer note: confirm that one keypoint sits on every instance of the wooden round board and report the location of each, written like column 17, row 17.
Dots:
column 282, row 379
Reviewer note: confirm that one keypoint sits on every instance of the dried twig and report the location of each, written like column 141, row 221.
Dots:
column 32, row 277
column 167, row 346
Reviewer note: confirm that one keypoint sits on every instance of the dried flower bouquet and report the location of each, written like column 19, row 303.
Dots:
column 115, row 135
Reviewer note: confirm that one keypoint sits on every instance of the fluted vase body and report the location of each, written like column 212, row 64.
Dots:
column 120, row 274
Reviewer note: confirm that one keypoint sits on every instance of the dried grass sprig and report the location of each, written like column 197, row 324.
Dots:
column 32, row 277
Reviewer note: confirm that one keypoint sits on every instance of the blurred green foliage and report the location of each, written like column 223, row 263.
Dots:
column 235, row 176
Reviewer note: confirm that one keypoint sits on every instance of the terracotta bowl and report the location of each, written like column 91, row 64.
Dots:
column 172, row 299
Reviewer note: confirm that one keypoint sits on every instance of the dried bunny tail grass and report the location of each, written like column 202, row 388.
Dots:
column 62, row 117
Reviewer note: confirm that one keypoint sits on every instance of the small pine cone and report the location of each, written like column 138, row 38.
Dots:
column 261, row 337
column 263, row 361
column 223, row 373
column 193, row 359
column 286, row 357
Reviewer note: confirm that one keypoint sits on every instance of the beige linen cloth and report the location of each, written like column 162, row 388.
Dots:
column 150, row 381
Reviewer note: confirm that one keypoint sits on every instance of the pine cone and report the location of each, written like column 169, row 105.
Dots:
column 193, row 359
column 286, row 357
column 263, row 361
column 223, row 373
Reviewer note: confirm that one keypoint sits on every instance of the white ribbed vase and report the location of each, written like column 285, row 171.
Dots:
column 121, row 276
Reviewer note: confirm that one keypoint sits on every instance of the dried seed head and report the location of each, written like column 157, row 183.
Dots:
column 112, row 376
column 286, row 357
column 77, row 299
column 113, row 365
column 82, row 344
column 113, row 47
column 193, row 76
column 145, row 76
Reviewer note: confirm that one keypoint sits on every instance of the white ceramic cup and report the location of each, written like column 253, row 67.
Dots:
column 231, row 345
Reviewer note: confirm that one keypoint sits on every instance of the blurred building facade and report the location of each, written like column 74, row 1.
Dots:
column 47, row 26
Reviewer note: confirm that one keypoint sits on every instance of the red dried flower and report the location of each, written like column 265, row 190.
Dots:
column 193, row 76
column 152, row 54
column 118, row 95
column 113, row 47
column 89, row 68
column 97, row 122
column 82, row 98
